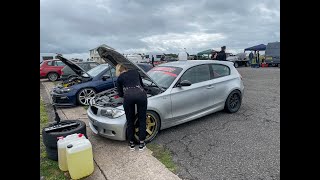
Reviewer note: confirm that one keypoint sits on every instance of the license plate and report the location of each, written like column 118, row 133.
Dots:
column 268, row 58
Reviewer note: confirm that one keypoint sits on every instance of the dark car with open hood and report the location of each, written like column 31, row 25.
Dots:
column 83, row 85
column 80, row 88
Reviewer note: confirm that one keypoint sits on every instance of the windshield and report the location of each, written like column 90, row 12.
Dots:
column 96, row 70
column 164, row 75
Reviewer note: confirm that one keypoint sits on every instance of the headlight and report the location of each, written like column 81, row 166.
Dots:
column 65, row 90
column 62, row 90
column 112, row 112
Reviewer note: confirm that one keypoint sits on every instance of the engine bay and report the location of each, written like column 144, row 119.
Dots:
column 110, row 97
column 74, row 81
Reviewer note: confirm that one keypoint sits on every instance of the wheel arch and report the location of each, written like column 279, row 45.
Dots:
column 52, row 72
column 152, row 110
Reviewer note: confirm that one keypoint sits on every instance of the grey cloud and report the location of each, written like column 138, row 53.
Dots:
column 75, row 26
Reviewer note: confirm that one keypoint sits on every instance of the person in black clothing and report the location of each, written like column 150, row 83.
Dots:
column 152, row 61
column 162, row 58
column 222, row 54
column 250, row 57
column 130, row 87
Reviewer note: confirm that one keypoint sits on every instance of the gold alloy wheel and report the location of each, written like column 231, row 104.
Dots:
column 151, row 127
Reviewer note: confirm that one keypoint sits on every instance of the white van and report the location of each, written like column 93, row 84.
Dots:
column 157, row 56
column 134, row 58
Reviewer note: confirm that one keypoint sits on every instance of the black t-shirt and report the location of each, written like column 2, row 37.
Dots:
column 221, row 56
column 130, row 78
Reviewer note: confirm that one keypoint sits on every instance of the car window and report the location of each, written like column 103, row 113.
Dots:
column 113, row 71
column 67, row 70
column 84, row 66
column 197, row 74
column 97, row 70
column 220, row 70
column 164, row 75
column 92, row 65
column 59, row 63
column 145, row 67
column 50, row 63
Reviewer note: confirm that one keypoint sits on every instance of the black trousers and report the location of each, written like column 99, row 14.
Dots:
column 131, row 98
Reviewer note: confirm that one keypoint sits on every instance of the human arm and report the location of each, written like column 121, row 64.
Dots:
column 120, row 86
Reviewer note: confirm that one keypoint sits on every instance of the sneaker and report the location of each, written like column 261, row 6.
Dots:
column 142, row 146
column 131, row 145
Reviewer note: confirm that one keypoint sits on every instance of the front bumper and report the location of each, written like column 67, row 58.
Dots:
column 62, row 99
column 110, row 128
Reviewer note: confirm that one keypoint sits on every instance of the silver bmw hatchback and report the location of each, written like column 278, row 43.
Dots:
column 178, row 92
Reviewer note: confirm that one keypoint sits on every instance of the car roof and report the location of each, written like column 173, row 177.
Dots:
column 84, row 62
column 190, row 63
column 52, row 60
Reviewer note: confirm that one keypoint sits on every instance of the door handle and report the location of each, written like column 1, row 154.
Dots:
column 210, row 86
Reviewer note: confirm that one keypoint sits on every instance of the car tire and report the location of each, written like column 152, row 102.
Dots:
column 50, row 139
column 233, row 102
column 52, row 76
column 236, row 65
column 154, row 118
column 247, row 64
column 52, row 153
column 82, row 94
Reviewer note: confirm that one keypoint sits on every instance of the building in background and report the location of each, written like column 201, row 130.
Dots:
column 94, row 55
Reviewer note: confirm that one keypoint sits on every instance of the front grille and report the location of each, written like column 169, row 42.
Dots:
column 94, row 110
column 57, row 99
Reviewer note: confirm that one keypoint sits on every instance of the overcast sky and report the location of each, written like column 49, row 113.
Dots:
column 72, row 27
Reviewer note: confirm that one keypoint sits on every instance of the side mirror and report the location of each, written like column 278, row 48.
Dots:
column 105, row 77
column 184, row 83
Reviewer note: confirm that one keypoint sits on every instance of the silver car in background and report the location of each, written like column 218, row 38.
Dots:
column 178, row 92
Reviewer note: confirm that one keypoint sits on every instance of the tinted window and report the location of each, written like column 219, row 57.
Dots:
column 113, row 71
column 158, row 56
column 67, row 70
column 51, row 63
column 59, row 63
column 97, row 70
column 197, row 74
column 85, row 66
column 92, row 65
column 164, row 75
column 220, row 70
column 145, row 67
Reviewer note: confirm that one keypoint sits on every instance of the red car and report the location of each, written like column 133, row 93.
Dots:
column 51, row 69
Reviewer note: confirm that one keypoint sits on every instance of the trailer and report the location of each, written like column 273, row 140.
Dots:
column 239, row 59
